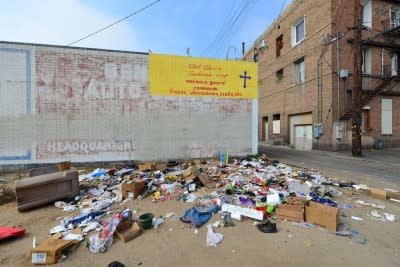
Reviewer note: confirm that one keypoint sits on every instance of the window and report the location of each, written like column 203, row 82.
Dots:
column 298, row 71
column 367, row 60
column 298, row 32
column 386, row 116
column 394, row 18
column 276, row 124
column 279, row 74
column 367, row 13
column 279, row 46
column 394, row 65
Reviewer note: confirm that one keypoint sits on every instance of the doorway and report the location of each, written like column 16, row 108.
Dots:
column 265, row 128
column 303, row 137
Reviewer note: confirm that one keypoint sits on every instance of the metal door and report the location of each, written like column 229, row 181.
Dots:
column 303, row 137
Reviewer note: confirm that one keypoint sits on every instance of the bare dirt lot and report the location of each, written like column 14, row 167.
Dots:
column 175, row 243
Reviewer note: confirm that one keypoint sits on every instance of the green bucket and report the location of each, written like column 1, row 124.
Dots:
column 146, row 220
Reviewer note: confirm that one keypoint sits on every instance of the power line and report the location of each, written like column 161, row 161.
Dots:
column 109, row 26
column 220, row 33
column 228, row 34
column 283, row 5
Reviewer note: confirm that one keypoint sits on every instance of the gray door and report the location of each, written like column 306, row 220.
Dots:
column 303, row 137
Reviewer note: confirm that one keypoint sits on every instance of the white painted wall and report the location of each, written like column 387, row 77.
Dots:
column 87, row 105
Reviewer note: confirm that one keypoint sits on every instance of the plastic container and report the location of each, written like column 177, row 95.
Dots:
column 379, row 144
column 146, row 220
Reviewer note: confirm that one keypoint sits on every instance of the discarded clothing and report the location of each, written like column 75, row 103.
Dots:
column 321, row 200
column 196, row 217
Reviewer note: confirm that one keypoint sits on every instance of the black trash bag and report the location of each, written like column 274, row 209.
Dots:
column 116, row 264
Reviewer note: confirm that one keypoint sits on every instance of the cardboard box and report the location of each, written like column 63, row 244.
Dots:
column 49, row 251
column 147, row 166
column 378, row 193
column 393, row 194
column 127, row 231
column 290, row 212
column 161, row 166
column 133, row 189
column 322, row 215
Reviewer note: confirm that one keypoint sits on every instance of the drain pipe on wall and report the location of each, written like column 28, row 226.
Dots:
column 338, row 78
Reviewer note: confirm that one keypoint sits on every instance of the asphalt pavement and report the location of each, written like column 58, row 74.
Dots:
column 380, row 167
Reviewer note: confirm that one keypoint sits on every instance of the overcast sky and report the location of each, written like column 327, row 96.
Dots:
column 207, row 27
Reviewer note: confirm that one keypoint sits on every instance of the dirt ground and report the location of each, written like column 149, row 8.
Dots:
column 175, row 243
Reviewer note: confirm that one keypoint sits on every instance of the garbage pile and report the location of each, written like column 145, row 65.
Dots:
column 256, row 188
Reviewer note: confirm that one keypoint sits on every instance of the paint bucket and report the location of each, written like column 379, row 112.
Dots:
column 146, row 220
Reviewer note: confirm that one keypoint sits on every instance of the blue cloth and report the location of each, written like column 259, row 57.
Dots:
column 321, row 200
column 81, row 218
column 199, row 217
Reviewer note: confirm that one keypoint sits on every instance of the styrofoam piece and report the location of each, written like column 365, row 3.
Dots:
column 254, row 214
column 273, row 199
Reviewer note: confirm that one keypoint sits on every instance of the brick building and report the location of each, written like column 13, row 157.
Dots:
column 306, row 65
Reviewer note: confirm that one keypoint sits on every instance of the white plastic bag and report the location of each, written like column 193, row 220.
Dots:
column 213, row 239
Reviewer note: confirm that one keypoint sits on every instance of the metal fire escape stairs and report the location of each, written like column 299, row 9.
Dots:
column 369, row 95
column 387, row 78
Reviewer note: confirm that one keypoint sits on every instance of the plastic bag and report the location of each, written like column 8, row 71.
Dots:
column 97, row 245
column 213, row 239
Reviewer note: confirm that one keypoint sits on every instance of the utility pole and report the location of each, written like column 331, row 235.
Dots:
column 357, row 86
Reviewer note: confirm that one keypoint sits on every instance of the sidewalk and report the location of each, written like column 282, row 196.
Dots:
column 376, row 166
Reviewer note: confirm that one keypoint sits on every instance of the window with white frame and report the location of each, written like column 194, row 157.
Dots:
column 298, row 71
column 367, row 60
column 394, row 17
column 298, row 30
column 367, row 13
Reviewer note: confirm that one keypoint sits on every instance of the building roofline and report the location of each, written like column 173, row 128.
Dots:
column 72, row 47
column 293, row 4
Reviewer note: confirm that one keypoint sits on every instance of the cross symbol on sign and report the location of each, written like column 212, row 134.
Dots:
column 245, row 77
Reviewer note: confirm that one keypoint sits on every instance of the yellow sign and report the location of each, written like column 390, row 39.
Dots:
column 188, row 76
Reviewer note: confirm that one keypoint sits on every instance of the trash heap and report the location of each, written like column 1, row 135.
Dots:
column 256, row 188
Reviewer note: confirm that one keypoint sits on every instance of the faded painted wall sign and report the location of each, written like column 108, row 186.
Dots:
column 188, row 76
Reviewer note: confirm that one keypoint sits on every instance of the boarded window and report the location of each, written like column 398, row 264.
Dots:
column 367, row 13
column 386, row 116
column 367, row 60
column 276, row 124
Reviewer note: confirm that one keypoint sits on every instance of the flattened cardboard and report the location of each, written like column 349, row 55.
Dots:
column 49, row 251
column 378, row 193
column 393, row 195
column 133, row 189
column 161, row 166
column 126, row 231
column 322, row 215
column 147, row 166
column 290, row 212
column 206, row 181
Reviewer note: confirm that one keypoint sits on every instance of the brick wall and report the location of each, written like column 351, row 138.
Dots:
column 323, row 21
column 87, row 105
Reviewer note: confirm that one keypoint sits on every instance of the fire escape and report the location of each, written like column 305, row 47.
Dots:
column 376, row 84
